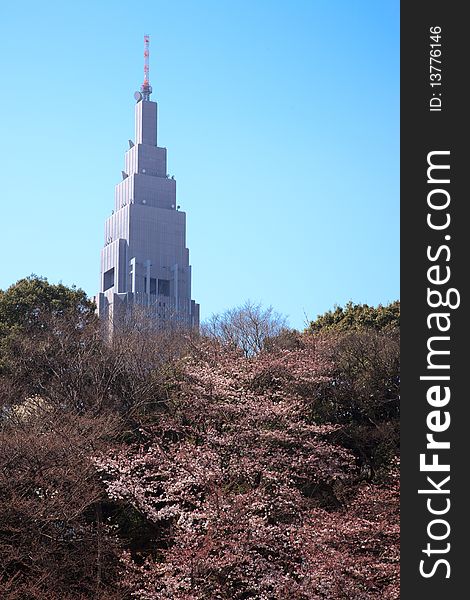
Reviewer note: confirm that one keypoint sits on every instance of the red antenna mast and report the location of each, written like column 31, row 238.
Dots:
column 146, row 88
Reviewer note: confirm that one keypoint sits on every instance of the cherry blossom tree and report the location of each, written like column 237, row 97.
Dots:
column 247, row 497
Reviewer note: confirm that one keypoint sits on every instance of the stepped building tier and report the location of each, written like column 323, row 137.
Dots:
column 144, row 261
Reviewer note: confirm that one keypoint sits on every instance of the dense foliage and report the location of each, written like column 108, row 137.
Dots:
column 358, row 316
column 171, row 465
column 29, row 300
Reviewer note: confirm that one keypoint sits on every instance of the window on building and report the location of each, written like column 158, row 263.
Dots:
column 163, row 287
column 108, row 279
column 153, row 285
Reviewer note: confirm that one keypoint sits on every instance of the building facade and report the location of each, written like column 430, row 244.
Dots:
column 144, row 261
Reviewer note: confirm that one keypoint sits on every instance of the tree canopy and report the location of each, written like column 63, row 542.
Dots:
column 358, row 316
column 248, row 327
column 26, row 302
column 252, row 462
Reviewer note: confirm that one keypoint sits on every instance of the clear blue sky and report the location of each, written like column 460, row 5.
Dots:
column 281, row 121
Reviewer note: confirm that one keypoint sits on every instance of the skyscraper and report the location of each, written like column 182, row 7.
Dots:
column 144, row 261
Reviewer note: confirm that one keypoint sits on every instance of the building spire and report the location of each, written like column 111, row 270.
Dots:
column 146, row 88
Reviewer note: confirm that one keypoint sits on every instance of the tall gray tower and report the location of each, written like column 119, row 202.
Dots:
column 144, row 261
